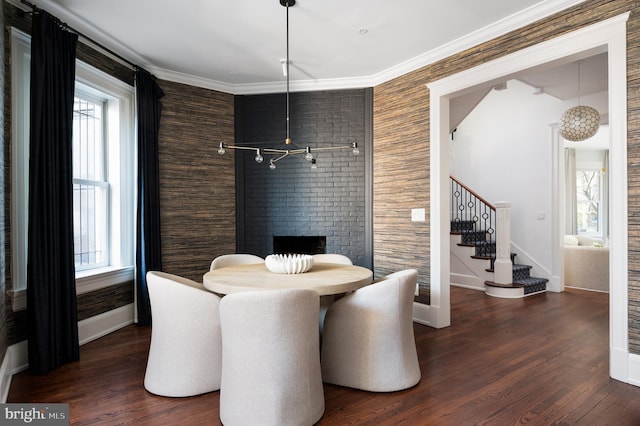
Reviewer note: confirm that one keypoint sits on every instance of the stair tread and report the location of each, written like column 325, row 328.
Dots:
column 519, row 283
column 531, row 281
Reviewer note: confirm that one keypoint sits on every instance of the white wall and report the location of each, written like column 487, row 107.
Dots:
column 503, row 151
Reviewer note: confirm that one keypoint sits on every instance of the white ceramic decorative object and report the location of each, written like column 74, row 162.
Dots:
column 289, row 263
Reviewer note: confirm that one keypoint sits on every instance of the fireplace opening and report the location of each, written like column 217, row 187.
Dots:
column 285, row 244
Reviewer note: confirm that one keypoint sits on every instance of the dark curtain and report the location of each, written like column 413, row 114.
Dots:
column 51, row 287
column 148, row 244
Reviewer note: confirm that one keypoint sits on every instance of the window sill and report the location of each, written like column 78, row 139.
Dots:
column 86, row 282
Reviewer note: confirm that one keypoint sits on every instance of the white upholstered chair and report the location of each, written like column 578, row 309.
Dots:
column 332, row 258
column 326, row 301
column 185, row 354
column 270, row 358
column 234, row 259
column 368, row 340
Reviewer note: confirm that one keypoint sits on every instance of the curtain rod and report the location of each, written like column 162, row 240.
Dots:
column 86, row 38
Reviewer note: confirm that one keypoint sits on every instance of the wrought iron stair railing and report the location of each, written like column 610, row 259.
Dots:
column 474, row 218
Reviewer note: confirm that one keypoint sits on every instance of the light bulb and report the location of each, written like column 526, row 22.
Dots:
column 221, row 149
column 313, row 164
column 272, row 166
column 259, row 157
column 308, row 156
column 355, row 150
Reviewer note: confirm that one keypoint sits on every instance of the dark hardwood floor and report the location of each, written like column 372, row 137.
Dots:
column 541, row 360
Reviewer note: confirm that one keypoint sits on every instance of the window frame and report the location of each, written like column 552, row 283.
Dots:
column 102, row 182
column 121, row 172
column 596, row 168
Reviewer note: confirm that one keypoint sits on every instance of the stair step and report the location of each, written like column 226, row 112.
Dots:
column 521, row 272
column 530, row 285
column 474, row 236
column 462, row 225
column 533, row 285
column 485, row 249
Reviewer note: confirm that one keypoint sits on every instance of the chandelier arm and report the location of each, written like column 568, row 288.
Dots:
column 275, row 160
column 331, row 148
column 245, row 148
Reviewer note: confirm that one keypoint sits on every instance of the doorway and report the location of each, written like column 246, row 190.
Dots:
column 609, row 36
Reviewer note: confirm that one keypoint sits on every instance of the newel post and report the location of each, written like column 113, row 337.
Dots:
column 503, row 268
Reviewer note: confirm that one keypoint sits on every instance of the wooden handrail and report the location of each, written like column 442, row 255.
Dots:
column 491, row 206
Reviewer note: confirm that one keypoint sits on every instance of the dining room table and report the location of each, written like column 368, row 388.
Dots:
column 325, row 278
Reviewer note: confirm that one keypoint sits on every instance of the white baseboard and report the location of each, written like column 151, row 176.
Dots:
column 634, row 370
column 421, row 314
column 466, row 281
column 16, row 359
column 100, row 325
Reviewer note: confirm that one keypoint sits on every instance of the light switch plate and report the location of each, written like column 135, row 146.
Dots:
column 418, row 215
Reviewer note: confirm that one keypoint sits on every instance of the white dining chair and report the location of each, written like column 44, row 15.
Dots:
column 326, row 301
column 270, row 358
column 234, row 259
column 185, row 354
column 331, row 258
column 368, row 341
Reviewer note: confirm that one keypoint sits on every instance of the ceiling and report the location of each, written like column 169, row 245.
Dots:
column 237, row 46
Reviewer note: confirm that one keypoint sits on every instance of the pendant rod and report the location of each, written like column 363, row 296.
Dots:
column 287, row 141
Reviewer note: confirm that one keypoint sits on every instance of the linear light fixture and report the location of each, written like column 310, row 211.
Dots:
column 290, row 149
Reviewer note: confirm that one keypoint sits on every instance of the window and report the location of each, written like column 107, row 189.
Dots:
column 588, row 193
column 103, row 175
column 90, row 185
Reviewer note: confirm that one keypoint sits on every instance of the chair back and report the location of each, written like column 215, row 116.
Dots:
column 270, row 358
column 332, row 258
column 234, row 259
column 185, row 354
column 368, row 340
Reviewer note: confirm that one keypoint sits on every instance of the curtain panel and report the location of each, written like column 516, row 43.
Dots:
column 51, row 287
column 148, row 241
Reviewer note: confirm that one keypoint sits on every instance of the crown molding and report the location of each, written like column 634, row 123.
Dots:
column 510, row 23
column 87, row 28
column 517, row 20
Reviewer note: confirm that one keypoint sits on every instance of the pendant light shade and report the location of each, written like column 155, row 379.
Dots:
column 579, row 123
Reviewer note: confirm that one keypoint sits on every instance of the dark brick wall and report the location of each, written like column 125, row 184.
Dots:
column 294, row 199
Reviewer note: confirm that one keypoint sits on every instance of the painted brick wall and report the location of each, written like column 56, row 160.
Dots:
column 294, row 199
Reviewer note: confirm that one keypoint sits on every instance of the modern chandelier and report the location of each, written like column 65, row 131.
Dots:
column 290, row 147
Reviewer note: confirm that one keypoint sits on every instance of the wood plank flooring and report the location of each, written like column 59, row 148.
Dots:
column 542, row 360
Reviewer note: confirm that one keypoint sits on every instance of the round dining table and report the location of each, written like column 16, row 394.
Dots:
column 325, row 278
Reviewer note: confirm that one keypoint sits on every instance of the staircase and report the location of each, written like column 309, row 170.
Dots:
column 523, row 283
column 477, row 224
